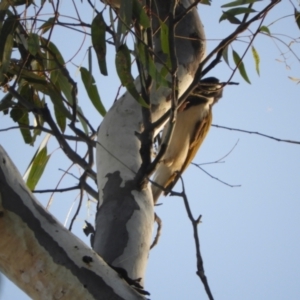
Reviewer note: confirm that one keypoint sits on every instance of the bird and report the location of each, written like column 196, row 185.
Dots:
column 194, row 118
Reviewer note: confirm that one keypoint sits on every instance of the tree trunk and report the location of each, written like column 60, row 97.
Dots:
column 125, row 216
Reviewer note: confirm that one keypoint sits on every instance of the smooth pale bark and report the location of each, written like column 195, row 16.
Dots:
column 125, row 217
column 43, row 258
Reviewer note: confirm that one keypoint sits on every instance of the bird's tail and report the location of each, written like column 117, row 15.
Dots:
column 162, row 179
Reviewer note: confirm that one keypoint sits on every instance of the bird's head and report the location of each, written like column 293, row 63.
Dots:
column 210, row 87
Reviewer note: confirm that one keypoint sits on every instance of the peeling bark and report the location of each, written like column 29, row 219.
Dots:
column 125, row 216
column 43, row 258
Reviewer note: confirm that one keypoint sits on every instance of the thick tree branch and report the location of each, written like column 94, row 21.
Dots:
column 46, row 260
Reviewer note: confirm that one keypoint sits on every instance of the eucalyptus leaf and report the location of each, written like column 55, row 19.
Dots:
column 297, row 17
column 33, row 43
column 123, row 66
column 98, row 40
column 231, row 13
column 240, row 66
column 140, row 14
column 37, row 169
column 265, row 29
column 60, row 118
column 47, row 25
column 91, row 89
column 256, row 59
column 239, row 2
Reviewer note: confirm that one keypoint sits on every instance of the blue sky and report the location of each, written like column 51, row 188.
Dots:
column 249, row 235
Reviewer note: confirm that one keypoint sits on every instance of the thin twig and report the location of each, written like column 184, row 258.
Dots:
column 213, row 177
column 195, row 222
column 257, row 133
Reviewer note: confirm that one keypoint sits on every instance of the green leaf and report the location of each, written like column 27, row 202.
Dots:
column 42, row 145
column 6, row 103
column 82, row 121
column 265, row 29
column 37, row 168
column 256, row 59
column 33, row 43
column 90, row 57
column 232, row 19
column 240, row 66
column 6, row 44
column 206, row 2
column 164, row 38
column 239, row 2
column 42, row 85
column 98, row 41
column 92, row 91
column 231, row 13
column 60, row 118
column 65, row 86
column 140, row 14
column 225, row 55
column 24, row 120
column 125, row 17
column 57, row 100
column 55, row 60
column 148, row 62
column 17, row 112
column 21, row 2
column 123, row 66
column 297, row 17
column 47, row 25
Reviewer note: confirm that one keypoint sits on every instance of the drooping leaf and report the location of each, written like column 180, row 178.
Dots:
column 5, row 103
column 65, row 86
column 231, row 13
column 225, row 55
column 140, row 14
column 123, row 66
column 26, row 92
column 17, row 112
column 24, row 120
column 40, row 84
column 60, row 118
column 148, row 62
column 125, row 17
column 37, row 169
column 241, row 66
column 42, row 145
column 82, row 121
column 47, row 25
column 297, row 17
column 55, row 60
column 98, row 40
column 6, row 44
column 33, row 43
column 20, row 115
column 90, row 57
column 206, row 2
column 232, row 19
column 164, row 38
column 92, row 91
column 265, row 29
column 239, row 2
column 21, row 2
column 57, row 100
column 256, row 59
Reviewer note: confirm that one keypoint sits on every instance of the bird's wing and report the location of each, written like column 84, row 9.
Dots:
column 201, row 130
column 200, row 134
